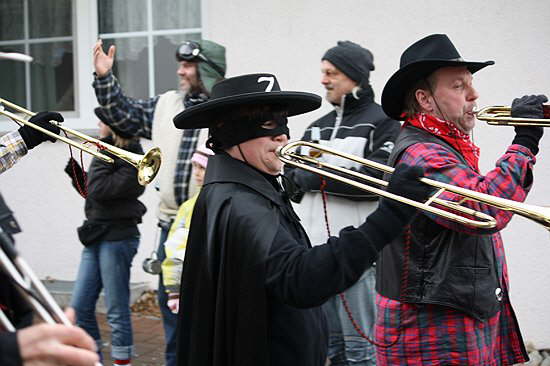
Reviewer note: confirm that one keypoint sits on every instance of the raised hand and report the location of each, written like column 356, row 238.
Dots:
column 528, row 106
column 103, row 63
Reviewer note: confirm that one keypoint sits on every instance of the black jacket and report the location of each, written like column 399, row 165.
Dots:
column 113, row 192
column 9, row 350
column 252, row 285
column 358, row 127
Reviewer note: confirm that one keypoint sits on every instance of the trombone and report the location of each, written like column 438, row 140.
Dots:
column 501, row 116
column 147, row 165
column 29, row 285
column 480, row 220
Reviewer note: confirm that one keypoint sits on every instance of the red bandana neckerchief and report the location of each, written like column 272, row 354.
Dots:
column 448, row 132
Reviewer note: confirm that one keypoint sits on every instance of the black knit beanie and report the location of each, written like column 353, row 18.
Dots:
column 353, row 60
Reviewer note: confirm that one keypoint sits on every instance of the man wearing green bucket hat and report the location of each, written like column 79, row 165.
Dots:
column 201, row 65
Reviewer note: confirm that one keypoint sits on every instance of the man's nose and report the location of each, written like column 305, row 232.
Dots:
column 283, row 138
column 472, row 94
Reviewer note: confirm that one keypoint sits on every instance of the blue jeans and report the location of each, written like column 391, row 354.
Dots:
column 346, row 346
column 169, row 319
column 107, row 265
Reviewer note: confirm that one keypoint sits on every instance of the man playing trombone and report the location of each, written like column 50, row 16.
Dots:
column 42, row 344
column 443, row 288
column 252, row 284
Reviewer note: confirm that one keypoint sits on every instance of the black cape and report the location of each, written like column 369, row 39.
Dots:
column 215, row 292
column 252, row 285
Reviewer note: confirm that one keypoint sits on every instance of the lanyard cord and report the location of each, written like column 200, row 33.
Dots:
column 342, row 295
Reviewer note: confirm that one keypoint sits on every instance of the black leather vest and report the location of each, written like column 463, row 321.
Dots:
column 444, row 267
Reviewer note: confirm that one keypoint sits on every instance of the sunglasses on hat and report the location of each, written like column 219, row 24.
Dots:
column 191, row 51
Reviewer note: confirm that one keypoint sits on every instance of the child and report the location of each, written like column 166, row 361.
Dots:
column 177, row 237
column 111, row 238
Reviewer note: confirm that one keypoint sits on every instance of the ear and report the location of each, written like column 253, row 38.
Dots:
column 424, row 100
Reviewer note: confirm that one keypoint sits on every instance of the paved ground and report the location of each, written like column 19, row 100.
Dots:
column 148, row 340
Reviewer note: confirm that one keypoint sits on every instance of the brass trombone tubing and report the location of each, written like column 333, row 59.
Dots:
column 147, row 165
column 20, row 272
column 19, row 268
column 47, row 132
column 535, row 213
column 501, row 116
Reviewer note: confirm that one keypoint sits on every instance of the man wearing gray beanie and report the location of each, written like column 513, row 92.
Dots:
column 357, row 125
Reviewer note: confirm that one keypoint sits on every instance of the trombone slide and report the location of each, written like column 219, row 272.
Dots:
column 482, row 220
column 147, row 165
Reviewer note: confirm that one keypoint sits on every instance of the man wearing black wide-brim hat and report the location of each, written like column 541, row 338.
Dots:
column 252, row 285
column 443, row 288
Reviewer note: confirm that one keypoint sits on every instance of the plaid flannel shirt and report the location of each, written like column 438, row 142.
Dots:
column 437, row 335
column 12, row 148
column 135, row 116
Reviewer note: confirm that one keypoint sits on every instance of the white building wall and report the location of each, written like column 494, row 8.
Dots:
column 288, row 39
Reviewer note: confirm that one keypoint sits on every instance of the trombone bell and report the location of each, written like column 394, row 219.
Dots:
column 147, row 165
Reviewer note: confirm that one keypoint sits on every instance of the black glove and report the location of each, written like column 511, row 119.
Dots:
column 33, row 137
column 306, row 180
column 298, row 181
column 528, row 106
column 391, row 216
column 405, row 182
column 78, row 176
column 292, row 191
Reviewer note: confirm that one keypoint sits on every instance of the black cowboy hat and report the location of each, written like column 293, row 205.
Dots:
column 100, row 113
column 245, row 90
column 418, row 62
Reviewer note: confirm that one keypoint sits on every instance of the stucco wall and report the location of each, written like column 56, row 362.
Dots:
column 288, row 38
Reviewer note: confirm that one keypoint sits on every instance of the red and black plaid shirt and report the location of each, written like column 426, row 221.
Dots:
column 438, row 335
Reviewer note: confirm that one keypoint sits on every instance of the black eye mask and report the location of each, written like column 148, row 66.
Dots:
column 231, row 134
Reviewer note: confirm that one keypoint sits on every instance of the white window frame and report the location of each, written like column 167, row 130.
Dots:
column 85, row 34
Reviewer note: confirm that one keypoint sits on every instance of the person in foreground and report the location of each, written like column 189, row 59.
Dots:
column 252, row 284
column 48, row 345
column 443, row 287
column 40, row 344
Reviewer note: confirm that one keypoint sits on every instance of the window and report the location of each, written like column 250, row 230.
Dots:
column 146, row 34
column 44, row 30
column 60, row 34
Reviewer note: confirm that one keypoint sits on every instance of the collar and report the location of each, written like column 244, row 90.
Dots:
column 351, row 102
column 222, row 168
